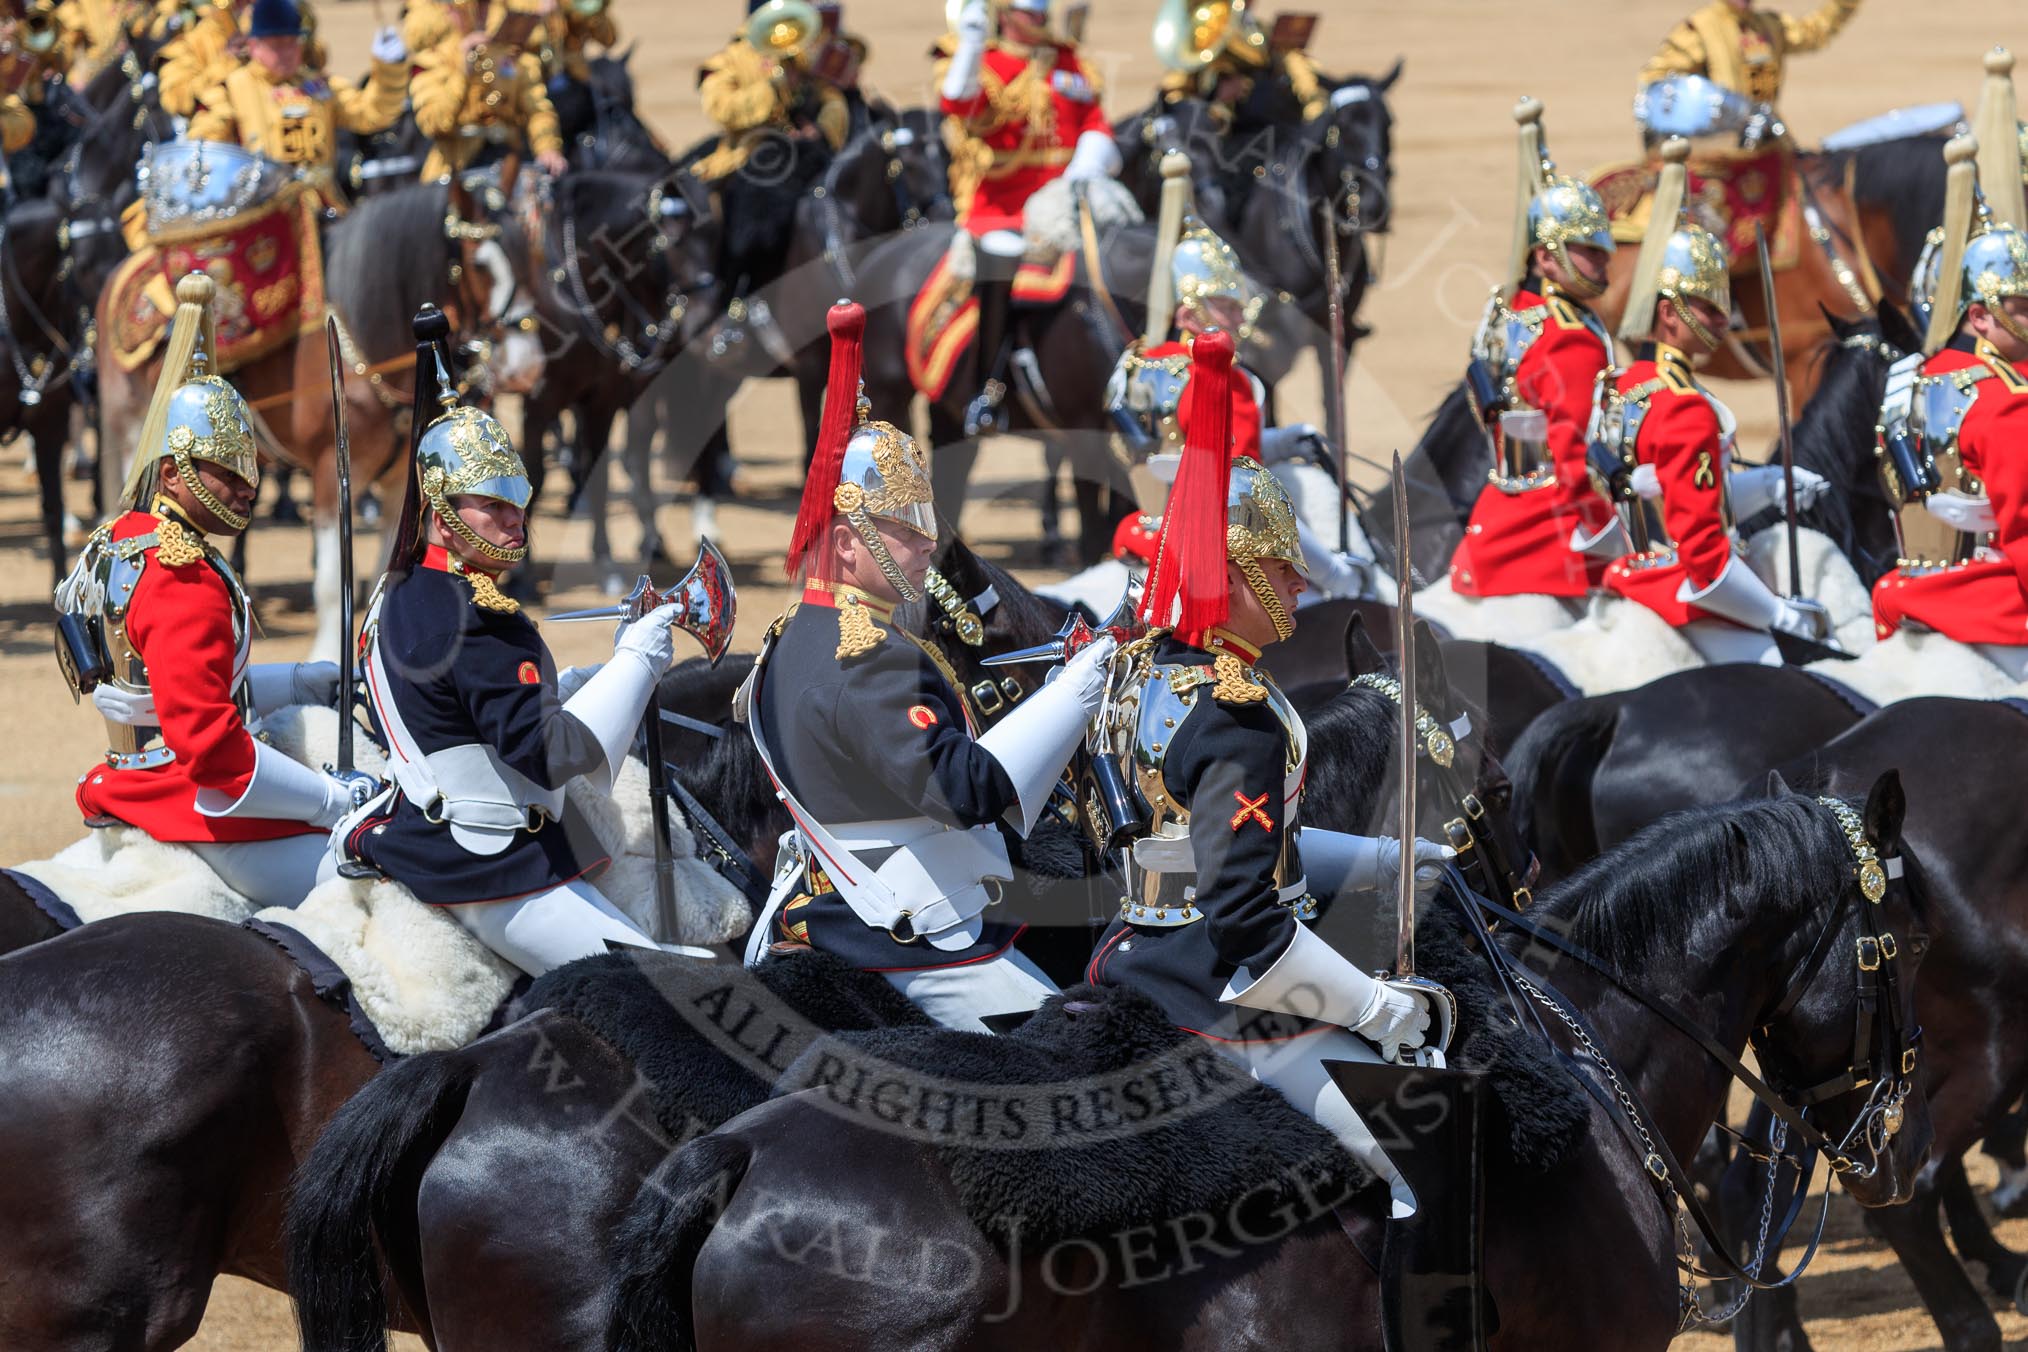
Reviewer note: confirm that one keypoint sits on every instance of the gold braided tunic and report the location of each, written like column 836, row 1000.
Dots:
column 462, row 103
column 569, row 33
column 1745, row 52
column 296, row 121
column 200, row 58
column 748, row 104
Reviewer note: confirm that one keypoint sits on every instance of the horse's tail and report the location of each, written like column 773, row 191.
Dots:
column 655, row 1247
column 343, row 1190
column 1552, row 767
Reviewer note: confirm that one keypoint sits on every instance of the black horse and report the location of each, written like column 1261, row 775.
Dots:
column 406, row 1164
column 1960, row 759
column 1594, row 771
column 1718, row 912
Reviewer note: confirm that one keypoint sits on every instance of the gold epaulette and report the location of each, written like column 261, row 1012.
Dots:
column 175, row 545
column 1236, row 683
column 857, row 633
column 1676, row 377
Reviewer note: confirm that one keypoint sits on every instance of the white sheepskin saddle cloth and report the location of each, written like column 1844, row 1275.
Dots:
column 422, row 979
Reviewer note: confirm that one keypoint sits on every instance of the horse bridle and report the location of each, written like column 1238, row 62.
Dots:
column 1883, row 1058
column 991, row 696
column 663, row 331
column 1482, row 856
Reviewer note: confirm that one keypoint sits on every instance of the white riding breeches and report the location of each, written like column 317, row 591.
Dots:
column 547, row 930
column 1295, row 1067
column 2011, row 658
column 961, row 997
column 266, row 872
column 1719, row 642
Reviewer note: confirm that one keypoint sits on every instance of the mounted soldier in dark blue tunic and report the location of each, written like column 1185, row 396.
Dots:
column 899, row 804
column 481, row 743
column 1223, row 885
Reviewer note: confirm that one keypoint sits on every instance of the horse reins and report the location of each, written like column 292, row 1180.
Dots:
column 1884, row 1062
column 1481, row 854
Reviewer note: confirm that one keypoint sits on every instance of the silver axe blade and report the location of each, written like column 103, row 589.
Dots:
column 348, row 648
column 1404, row 647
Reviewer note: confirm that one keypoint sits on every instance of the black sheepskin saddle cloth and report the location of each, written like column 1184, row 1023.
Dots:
column 711, row 1039
column 1100, row 1116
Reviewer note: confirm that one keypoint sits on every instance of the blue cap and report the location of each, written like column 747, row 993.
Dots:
column 275, row 19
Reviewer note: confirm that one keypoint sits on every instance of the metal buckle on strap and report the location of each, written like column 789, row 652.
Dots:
column 1908, row 1060
column 904, row 921
column 1888, row 948
column 1869, row 953
column 986, row 696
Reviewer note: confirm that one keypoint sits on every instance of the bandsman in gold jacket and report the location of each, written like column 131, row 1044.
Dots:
column 277, row 105
column 1731, row 43
column 210, row 45
column 476, row 92
column 1242, row 57
column 753, row 90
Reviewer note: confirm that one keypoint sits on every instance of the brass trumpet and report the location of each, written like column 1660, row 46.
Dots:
column 783, row 28
column 1190, row 34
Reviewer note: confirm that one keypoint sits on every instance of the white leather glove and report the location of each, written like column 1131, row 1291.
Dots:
column 961, row 81
column 1398, row 1019
column 650, row 638
column 1332, row 573
column 1384, row 865
column 1961, row 512
column 1097, row 156
column 1087, row 671
column 1646, row 482
column 388, row 47
column 1037, row 738
column 128, row 708
column 1760, row 487
column 571, row 679
column 1805, row 619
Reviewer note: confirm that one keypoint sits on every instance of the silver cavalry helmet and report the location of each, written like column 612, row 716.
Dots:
column 1996, row 269
column 1567, row 211
column 885, row 474
column 466, row 452
column 1205, row 268
column 208, row 420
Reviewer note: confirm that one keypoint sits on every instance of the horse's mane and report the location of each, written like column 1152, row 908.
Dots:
column 1905, row 179
column 1640, row 902
column 384, row 259
column 1351, row 739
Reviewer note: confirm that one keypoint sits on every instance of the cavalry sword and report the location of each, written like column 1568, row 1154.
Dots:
column 1781, row 384
column 348, row 647
column 1404, row 648
column 1334, row 391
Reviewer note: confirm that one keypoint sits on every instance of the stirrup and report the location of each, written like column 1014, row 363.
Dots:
column 982, row 415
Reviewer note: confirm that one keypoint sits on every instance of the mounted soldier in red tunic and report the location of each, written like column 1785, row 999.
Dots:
column 155, row 626
column 1954, row 443
column 1538, row 527
column 1662, row 438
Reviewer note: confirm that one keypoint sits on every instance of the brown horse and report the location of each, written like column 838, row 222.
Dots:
column 382, row 262
column 1833, row 275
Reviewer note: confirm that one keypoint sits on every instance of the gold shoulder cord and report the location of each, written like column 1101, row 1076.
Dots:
column 1234, row 685
column 176, row 546
column 486, row 594
column 857, row 633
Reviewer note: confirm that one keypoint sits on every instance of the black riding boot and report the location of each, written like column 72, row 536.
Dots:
column 995, row 287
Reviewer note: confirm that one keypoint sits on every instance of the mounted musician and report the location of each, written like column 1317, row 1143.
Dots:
column 1223, row 883
column 210, row 43
column 1022, row 110
column 478, row 91
column 1216, row 51
column 569, row 30
column 1538, row 527
column 1736, row 48
column 1660, row 437
column 1954, row 443
column 1150, row 402
column 155, row 626
column 899, row 800
column 277, row 105
column 466, row 692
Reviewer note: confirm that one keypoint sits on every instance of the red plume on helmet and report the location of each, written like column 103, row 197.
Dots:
column 847, row 323
column 1187, row 586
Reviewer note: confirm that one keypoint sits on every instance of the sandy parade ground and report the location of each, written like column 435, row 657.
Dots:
column 1465, row 63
